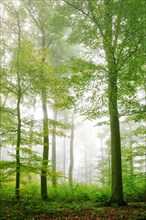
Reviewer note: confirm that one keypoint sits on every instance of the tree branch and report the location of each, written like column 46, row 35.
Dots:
column 86, row 14
column 25, row 89
column 131, row 53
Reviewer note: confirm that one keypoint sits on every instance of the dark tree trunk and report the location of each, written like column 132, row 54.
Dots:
column 44, row 168
column 116, row 181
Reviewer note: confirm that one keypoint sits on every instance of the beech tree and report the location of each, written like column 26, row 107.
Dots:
column 106, row 80
column 15, row 75
column 111, row 26
column 49, row 81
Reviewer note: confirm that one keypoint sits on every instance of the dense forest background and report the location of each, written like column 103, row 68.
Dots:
column 73, row 100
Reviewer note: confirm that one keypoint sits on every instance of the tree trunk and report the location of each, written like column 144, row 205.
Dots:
column 71, row 154
column 54, row 179
column 64, row 147
column 44, row 168
column 44, row 193
column 17, row 187
column 116, row 180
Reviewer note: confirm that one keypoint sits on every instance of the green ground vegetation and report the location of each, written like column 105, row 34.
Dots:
column 79, row 202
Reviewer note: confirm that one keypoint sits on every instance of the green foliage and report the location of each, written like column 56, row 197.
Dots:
column 36, row 60
column 63, row 201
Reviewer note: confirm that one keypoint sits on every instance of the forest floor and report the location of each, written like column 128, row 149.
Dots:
column 40, row 210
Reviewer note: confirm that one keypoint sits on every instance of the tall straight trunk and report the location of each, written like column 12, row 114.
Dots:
column 44, row 168
column 17, row 186
column 64, row 147
column 45, row 158
column 116, row 166
column 116, row 179
column 54, row 179
column 71, row 153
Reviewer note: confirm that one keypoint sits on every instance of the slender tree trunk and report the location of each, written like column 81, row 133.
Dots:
column 44, row 168
column 17, row 187
column 54, row 179
column 71, row 154
column 64, row 147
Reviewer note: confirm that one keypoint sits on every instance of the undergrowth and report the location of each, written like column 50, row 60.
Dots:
column 80, row 200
